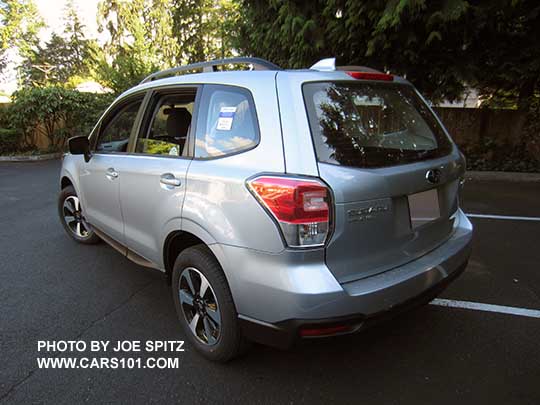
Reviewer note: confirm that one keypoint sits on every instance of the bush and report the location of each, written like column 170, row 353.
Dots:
column 56, row 113
column 10, row 140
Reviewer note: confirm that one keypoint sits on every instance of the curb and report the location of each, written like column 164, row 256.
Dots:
column 503, row 176
column 31, row 158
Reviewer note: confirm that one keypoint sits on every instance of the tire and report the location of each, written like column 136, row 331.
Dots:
column 72, row 219
column 215, row 333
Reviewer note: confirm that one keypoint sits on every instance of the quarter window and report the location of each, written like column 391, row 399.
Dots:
column 114, row 137
column 227, row 122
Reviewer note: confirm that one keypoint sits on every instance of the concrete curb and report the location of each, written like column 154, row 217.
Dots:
column 503, row 176
column 31, row 158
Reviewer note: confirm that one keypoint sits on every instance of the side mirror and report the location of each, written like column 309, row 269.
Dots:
column 79, row 145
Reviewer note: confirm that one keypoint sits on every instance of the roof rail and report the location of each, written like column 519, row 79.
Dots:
column 258, row 64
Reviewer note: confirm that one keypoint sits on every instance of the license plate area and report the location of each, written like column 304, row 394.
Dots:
column 424, row 207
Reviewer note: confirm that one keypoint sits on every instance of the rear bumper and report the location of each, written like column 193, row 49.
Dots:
column 276, row 295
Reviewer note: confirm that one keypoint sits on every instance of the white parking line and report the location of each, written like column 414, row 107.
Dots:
column 513, row 218
column 477, row 306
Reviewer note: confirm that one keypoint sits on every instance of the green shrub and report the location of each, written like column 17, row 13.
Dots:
column 10, row 141
column 56, row 113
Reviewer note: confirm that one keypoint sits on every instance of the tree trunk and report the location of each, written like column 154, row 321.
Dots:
column 526, row 92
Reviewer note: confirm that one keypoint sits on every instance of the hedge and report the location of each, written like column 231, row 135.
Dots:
column 54, row 112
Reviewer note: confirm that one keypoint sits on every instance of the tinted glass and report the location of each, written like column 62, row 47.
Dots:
column 114, row 136
column 226, row 123
column 372, row 124
column 169, row 127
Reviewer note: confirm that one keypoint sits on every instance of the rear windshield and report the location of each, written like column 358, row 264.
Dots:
column 369, row 124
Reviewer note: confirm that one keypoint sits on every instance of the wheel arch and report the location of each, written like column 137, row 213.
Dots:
column 65, row 181
column 175, row 243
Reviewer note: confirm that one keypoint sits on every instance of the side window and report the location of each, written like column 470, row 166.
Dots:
column 169, row 125
column 226, row 123
column 114, row 135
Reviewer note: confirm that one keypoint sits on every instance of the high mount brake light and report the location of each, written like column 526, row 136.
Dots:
column 371, row 76
column 301, row 207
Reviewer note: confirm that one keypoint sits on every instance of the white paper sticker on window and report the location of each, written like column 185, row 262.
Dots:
column 225, row 119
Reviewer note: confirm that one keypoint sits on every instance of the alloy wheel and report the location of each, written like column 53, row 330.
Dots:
column 74, row 218
column 199, row 306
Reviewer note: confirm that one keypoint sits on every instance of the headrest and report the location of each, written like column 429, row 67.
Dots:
column 178, row 121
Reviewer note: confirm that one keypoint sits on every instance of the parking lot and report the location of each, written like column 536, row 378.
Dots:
column 54, row 289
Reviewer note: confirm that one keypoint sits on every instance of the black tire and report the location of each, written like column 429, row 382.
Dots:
column 229, row 342
column 78, row 229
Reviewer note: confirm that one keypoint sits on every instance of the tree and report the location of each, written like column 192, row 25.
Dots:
column 64, row 56
column 141, row 40
column 441, row 46
column 203, row 29
column 506, row 53
column 149, row 35
column 19, row 26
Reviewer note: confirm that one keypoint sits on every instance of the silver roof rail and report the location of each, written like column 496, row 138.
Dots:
column 258, row 64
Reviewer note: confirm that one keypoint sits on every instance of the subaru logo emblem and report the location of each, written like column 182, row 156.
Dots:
column 433, row 176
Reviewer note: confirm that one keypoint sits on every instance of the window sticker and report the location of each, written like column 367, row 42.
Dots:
column 226, row 117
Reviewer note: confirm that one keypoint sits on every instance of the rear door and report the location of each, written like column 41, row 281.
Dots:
column 393, row 171
column 153, row 174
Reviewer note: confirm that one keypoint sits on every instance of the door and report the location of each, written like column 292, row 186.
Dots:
column 99, row 178
column 152, row 181
column 393, row 171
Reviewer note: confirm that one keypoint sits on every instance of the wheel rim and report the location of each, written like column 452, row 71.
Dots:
column 73, row 217
column 199, row 306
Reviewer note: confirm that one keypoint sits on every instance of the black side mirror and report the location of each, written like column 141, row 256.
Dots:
column 79, row 145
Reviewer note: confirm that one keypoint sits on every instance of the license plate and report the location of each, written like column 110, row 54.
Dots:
column 424, row 207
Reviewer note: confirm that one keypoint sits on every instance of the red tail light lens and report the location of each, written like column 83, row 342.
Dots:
column 324, row 330
column 300, row 206
column 371, row 76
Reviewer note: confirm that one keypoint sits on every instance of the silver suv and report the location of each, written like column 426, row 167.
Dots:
column 281, row 204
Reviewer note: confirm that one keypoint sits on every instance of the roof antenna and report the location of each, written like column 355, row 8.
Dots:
column 325, row 65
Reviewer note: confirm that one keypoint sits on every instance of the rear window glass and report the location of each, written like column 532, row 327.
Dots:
column 372, row 124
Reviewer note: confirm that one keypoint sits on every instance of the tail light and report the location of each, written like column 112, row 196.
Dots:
column 301, row 207
column 371, row 76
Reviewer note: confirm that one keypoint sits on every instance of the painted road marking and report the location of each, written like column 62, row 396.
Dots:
column 512, row 218
column 478, row 306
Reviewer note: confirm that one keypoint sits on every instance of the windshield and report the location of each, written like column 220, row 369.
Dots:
column 369, row 124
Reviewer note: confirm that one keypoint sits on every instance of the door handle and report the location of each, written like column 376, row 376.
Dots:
column 169, row 180
column 111, row 173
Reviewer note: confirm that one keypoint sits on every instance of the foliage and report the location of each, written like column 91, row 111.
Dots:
column 63, row 56
column 19, row 26
column 203, row 29
column 150, row 35
column 440, row 46
column 55, row 112
column 505, row 57
column 9, row 140
column 141, row 40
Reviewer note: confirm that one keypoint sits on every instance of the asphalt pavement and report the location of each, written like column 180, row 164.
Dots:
column 52, row 288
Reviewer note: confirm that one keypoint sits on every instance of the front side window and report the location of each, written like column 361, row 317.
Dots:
column 227, row 122
column 169, row 127
column 115, row 132
column 372, row 124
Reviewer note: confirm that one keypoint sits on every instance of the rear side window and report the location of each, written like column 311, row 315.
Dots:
column 372, row 124
column 167, row 130
column 226, row 123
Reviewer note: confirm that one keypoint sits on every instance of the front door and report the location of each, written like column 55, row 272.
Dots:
column 100, row 177
column 153, row 176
